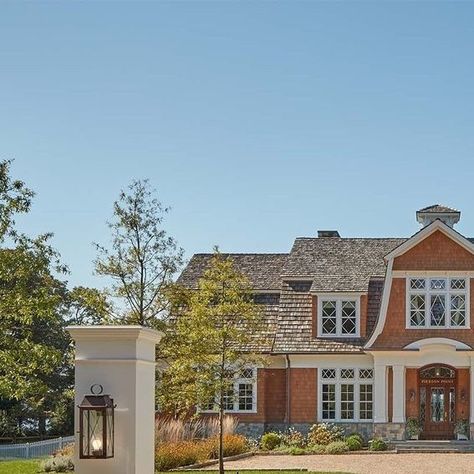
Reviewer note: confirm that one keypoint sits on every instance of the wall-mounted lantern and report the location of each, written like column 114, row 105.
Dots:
column 412, row 395
column 96, row 425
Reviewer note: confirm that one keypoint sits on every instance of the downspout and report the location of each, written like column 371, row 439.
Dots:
column 288, row 390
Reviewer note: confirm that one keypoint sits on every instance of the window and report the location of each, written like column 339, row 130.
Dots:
column 437, row 303
column 241, row 397
column 338, row 317
column 346, row 394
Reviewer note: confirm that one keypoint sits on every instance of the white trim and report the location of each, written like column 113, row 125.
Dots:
column 426, row 232
column 421, row 343
column 387, row 288
column 237, row 381
column 338, row 298
column 427, row 291
column 432, row 273
column 337, row 381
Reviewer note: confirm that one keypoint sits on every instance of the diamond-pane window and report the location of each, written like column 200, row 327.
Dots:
column 437, row 283
column 417, row 310
column 438, row 310
column 349, row 317
column 458, row 310
column 329, row 317
column 328, row 373
column 458, row 283
column 347, row 373
column 417, row 283
column 366, row 373
column 246, row 374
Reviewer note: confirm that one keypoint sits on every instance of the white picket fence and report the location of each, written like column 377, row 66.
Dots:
column 37, row 449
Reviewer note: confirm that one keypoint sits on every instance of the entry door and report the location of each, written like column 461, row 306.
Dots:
column 439, row 423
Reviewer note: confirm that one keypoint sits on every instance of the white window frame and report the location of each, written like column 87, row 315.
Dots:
column 236, row 382
column 338, row 381
column 338, row 299
column 427, row 291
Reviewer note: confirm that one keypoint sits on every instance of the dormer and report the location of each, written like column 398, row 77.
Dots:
column 429, row 214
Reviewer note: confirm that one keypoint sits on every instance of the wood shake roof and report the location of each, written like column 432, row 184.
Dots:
column 323, row 264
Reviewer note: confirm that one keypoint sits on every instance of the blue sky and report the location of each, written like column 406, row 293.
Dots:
column 257, row 121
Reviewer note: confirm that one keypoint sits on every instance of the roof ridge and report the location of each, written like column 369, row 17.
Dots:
column 242, row 253
column 331, row 239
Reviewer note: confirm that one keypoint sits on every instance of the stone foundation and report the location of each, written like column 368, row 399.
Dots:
column 390, row 431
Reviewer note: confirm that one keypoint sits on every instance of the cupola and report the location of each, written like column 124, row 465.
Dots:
column 429, row 214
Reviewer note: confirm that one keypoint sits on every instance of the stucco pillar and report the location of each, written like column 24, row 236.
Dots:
column 122, row 360
column 398, row 393
column 380, row 387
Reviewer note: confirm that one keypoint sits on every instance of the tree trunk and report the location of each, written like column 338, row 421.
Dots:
column 221, row 439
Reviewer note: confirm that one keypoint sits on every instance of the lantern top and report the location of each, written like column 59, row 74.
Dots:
column 97, row 401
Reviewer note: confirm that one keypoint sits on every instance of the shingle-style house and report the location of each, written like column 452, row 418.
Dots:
column 365, row 332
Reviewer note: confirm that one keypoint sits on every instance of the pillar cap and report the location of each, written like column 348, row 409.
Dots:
column 114, row 332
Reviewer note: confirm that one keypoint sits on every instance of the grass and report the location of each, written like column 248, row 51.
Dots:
column 31, row 467
column 19, row 467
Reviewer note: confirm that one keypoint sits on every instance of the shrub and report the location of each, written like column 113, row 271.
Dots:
column 325, row 433
column 413, row 427
column 293, row 438
column 316, row 449
column 354, row 444
column 173, row 455
column 357, row 436
column 295, row 451
column 233, row 445
column 270, row 441
column 377, row 444
column 337, row 447
column 58, row 464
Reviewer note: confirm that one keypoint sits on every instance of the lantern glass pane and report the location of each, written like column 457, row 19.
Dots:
column 110, row 432
column 93, row 434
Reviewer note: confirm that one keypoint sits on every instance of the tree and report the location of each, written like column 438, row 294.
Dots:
column 143, row 258
column 36, row 363
column 210, row 342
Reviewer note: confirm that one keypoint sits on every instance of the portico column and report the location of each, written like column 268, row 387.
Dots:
column 380, row 399
column 398, row 393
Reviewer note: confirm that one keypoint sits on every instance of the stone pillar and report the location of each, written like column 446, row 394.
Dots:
column 398, row 393
column 122, row 360
column 380, row 389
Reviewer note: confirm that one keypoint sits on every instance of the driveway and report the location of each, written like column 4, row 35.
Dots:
column 364, row 463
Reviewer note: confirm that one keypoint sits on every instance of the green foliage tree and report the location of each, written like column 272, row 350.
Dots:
column 36, row 371
column 142, row 259
column 212, row 339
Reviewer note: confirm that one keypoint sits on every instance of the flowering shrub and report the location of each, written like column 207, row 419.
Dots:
column 293, row 438
column 324, row 433
column 58, row 464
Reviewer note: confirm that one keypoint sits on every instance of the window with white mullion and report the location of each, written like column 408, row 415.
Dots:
column 437, row 302
column 338, row 317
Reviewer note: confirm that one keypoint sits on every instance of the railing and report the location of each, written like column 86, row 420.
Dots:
column 34, row 450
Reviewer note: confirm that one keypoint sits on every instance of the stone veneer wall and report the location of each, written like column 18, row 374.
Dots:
column 389, row 431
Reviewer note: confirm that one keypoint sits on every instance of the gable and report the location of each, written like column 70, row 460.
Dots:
column 436, row 252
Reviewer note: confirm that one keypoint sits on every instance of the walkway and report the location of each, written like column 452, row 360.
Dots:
column 364, row 463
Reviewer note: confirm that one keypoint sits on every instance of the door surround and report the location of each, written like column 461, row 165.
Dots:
column 437, row 400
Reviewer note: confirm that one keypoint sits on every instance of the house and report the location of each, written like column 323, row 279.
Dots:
column 365, row 332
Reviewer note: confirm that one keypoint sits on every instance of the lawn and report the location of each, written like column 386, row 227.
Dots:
column 31, row 467
column 19, row 467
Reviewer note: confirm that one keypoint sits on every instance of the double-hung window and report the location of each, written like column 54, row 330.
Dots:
column 346, row 394
column 437, row 302
column 241, row 395
column 338, row 316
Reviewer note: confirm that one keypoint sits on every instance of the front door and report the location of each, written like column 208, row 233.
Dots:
column 438, row 403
